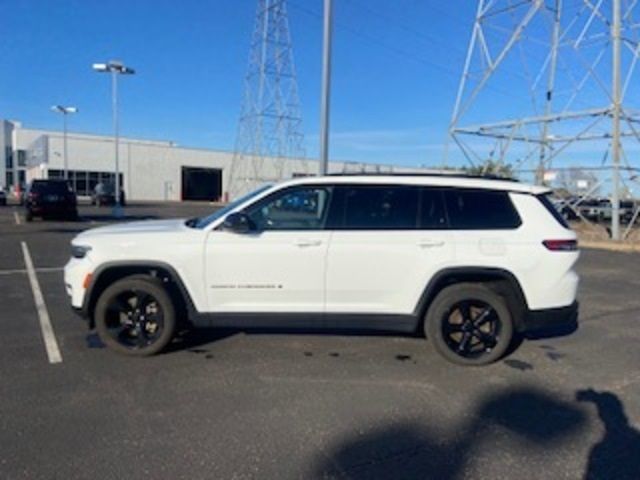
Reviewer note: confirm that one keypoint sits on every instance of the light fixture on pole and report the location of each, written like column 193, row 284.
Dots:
column 115, row 68
column 64, row 111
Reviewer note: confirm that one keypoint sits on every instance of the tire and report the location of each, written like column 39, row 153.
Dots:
column 119, row 327
column 483, row 338
column 29, row 216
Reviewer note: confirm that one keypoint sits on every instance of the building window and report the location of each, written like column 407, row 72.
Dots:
column 8, row 157
column 83, row 182
column 22, row 158
column 9, row 179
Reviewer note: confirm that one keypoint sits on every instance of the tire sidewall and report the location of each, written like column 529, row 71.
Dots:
column 454, row 294
column 153, row 287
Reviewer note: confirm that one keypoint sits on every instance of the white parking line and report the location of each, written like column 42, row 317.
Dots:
column 50, row 343
column 17, row 217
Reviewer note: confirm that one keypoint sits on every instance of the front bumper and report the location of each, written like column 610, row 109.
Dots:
column 552, row 322
column 75, row 273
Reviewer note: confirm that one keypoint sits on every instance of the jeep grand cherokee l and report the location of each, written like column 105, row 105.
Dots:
column 471, row 263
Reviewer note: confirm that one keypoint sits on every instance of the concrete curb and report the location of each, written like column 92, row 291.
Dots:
column 611, row 246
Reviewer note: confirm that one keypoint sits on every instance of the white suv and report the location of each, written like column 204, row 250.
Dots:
column 473, row 263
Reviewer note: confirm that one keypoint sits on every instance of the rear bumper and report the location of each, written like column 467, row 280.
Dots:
column 552, row 322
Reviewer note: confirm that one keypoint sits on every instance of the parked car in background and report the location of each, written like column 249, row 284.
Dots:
column 563, row 206
column 3, row 197
column 50, row 198
column 105, row 194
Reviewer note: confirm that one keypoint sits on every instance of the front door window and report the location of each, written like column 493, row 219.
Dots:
column 294, row 209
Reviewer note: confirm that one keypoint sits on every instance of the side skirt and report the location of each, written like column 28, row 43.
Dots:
column 309, row 321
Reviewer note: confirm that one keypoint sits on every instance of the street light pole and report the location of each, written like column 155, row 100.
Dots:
column 116, row 139
column 115, row 68
column 64, row 111
column 326, row 88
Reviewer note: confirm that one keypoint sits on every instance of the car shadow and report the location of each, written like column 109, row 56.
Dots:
column 192, row 340
column 416, row 451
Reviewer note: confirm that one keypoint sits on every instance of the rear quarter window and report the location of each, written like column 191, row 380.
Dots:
column 480, row 210
column 548, row 204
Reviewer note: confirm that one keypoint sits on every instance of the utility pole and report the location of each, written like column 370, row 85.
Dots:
column 615, row 134
column 326, row 88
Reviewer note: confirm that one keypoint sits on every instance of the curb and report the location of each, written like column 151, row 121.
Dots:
column 611, row 246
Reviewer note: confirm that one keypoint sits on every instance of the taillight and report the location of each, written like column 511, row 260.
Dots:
column 561, row 245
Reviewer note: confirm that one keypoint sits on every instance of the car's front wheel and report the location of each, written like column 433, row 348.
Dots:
column 135, row 316
column 469, row 324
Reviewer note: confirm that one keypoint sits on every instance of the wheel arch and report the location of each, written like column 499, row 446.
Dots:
column 111, row 272
column 502, row 281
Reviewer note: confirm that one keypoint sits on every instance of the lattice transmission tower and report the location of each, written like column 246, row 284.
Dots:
column 548, row 84
column 269, row 142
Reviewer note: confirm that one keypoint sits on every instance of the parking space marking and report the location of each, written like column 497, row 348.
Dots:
column 50, row 342
column 17, row 217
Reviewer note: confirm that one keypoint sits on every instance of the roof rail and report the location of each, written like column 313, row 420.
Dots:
column 424, row 174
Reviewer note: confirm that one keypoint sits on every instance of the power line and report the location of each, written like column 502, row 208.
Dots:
column 397, row 51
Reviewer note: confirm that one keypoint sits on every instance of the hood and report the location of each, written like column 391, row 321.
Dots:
column 145, row 226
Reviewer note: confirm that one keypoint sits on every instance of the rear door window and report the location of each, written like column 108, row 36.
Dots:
column 432, row 212
column 378, row 207
column 480, row 210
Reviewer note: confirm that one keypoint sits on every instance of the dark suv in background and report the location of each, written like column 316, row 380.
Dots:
column 50, row 198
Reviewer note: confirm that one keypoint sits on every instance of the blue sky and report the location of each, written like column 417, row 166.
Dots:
column 396, row 68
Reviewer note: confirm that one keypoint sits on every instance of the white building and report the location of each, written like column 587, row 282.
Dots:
column 150, row 170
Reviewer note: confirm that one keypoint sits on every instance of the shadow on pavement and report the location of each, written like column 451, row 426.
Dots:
column 617, row 454
column 412, row 451
column 192, row 340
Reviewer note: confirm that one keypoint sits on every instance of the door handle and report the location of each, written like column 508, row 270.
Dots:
column 308, row 243
column 428, row 243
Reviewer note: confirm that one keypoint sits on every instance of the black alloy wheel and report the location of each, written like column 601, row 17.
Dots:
column 135, row 316
column 471, row 328
column 469, row 324
column 134, row 319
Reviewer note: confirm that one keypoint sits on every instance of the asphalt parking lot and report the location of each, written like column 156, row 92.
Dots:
column 258, row 405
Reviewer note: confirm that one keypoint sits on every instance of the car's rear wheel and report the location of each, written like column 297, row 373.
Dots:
column 469, row 324
column 136, row 316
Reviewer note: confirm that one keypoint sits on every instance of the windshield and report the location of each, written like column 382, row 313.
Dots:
column 204, row 221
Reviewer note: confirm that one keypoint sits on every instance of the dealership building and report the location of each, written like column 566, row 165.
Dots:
column 149, row 170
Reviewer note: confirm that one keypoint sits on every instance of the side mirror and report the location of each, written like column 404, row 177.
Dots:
column 238, row 222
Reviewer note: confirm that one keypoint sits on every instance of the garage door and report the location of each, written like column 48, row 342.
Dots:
column 201, row 183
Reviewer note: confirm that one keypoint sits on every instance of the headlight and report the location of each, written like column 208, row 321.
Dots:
column 79, row 251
